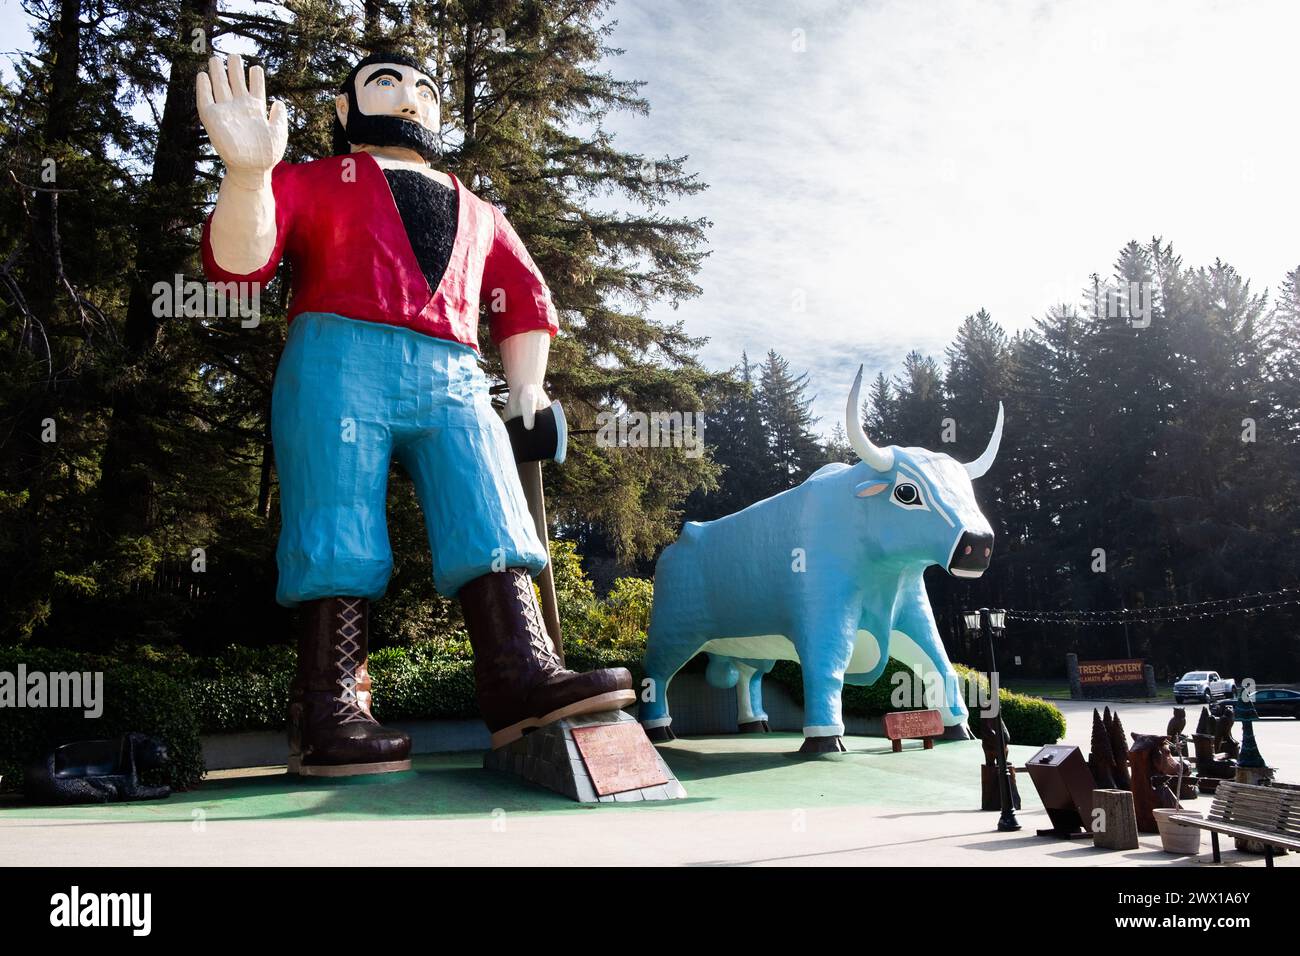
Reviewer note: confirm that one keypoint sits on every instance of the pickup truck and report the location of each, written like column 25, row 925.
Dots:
column 1203, row 686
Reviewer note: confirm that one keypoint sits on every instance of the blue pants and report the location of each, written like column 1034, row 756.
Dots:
column 349, row 396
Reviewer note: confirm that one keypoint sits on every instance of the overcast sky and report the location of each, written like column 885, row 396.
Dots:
column 897, row 164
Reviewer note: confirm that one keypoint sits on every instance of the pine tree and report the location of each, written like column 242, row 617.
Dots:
column 63, row 130
column 1283, row 397
column 739, row 439
column 793, row 450
column 976, row 379
column 918, row 402
column 837, row 448
column 879, row 413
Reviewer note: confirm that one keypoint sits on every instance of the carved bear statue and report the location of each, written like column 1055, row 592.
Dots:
column 97, row 771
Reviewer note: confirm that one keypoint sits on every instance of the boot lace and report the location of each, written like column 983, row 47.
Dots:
column 538, row 639
column 349, row 705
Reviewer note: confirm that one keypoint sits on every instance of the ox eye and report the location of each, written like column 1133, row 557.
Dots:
column 908, row 494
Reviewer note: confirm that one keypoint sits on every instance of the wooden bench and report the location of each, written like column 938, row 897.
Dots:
column 1270, row 815
column 923, row 725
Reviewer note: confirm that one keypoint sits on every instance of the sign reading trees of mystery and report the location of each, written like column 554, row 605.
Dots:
column 1111, row 672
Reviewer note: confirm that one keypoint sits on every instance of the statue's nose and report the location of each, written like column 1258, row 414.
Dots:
column 971, row 556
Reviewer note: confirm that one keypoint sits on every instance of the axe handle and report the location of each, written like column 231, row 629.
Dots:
column 530, row 476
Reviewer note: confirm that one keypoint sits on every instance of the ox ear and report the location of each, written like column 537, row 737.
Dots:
column 869, row 488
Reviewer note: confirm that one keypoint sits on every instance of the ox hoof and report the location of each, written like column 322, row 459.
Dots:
column 957, row 732
column 822, row 745
column 660, row 735
column 755, row 727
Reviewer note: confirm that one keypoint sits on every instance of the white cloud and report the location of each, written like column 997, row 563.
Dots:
column 918, row 161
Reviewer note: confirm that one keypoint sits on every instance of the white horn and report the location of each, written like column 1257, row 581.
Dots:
column 980, row 466
column 881, row 459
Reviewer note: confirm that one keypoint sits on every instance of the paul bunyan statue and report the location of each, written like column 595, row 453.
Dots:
column 390, row 260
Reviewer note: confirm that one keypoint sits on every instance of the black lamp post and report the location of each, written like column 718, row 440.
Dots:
column 990, row 625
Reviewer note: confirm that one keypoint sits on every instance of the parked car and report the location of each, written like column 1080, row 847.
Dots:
column 1203, row 686
column 1277, row 702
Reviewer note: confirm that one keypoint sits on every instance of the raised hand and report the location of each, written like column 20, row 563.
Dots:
column 247, row 139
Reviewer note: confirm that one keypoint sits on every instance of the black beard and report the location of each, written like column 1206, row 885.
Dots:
column 366, row 130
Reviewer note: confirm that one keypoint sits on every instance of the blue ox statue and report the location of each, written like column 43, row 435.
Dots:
column 827, row 573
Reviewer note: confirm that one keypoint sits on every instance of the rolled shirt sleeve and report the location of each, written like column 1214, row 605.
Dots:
column 513, row 288
column 282, row 189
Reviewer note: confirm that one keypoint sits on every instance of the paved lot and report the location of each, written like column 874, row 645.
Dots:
column 751, row 802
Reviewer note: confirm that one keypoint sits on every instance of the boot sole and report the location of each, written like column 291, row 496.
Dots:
column 614, row 700
column 296, row 766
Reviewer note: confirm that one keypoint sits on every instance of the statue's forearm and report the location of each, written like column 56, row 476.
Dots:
column 524, row 356
column 242, row 232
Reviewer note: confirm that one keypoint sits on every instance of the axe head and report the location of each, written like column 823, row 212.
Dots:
column 548, row 440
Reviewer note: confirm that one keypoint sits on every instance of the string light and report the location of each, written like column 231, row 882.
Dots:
column 1196, row 611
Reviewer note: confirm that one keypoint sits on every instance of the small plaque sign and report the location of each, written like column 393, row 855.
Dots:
column 913, row 724
column 618, row 757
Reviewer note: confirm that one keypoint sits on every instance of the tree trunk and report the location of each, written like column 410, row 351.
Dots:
column 372, row 27
column 46, row 260
column 47, row 263
column 1117, row 822
column 163, row 247
column 468, row 93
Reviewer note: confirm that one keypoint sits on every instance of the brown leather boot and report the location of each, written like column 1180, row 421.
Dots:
column 331, row 732
column 520, row 681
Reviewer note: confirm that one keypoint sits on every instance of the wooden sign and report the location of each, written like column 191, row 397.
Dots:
column 903, row 725
column 618, row 757
column 1111, row 672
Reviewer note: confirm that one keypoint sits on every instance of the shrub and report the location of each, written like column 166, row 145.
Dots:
column 135, row 699
column 1030, row 720
column 574, row 593
column 587, row 658
column 627, row 615
column 872, row 701
column 410, row 687
column 236, row 703
column 235, row 659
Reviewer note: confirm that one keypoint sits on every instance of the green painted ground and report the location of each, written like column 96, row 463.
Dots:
column 719, row 773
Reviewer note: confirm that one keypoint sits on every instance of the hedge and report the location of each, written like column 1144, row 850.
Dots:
column 1029, row 720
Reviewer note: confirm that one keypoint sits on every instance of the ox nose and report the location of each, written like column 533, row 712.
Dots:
column 970, row 558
